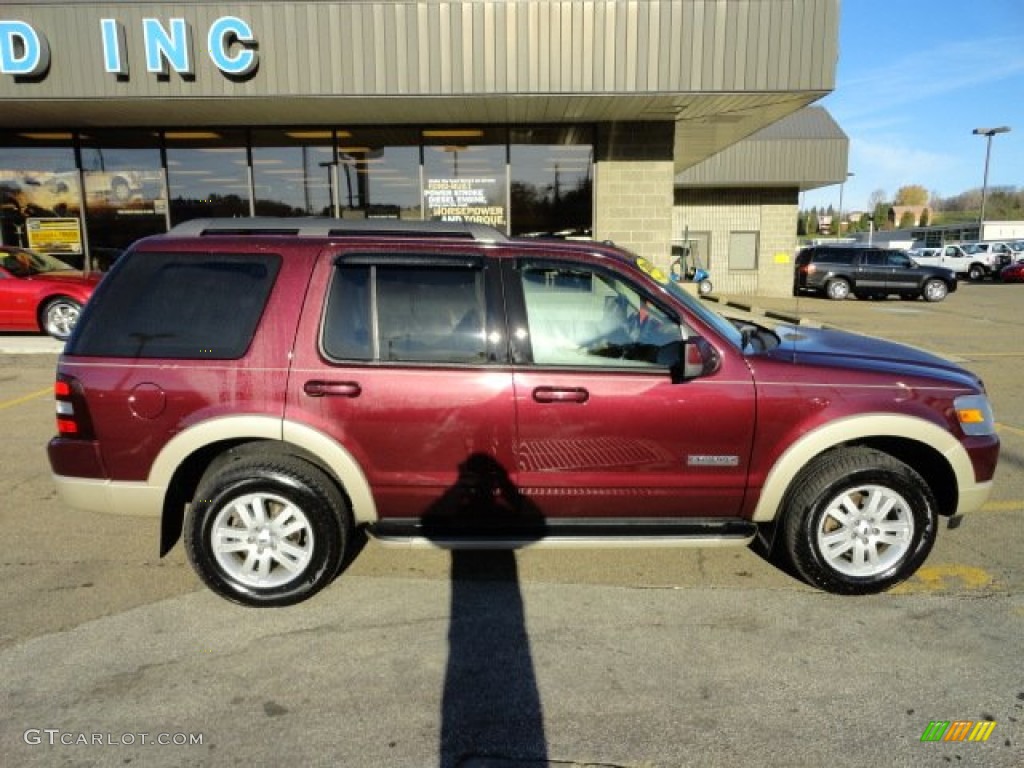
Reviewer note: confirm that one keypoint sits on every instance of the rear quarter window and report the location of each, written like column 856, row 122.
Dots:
column 177, row 306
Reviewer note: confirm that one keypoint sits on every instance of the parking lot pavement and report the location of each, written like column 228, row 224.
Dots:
column 29, row 344
column 629, row 658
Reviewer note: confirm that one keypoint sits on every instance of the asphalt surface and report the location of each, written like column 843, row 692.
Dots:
column 596, row 658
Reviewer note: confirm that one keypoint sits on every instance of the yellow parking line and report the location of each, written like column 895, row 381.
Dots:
column 1011, row 505
column 1015, row 430
column 939, row 578
column 26, row 398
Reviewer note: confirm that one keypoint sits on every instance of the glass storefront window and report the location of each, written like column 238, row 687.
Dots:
column 207, row 174
column 39, row 180
column 292, row 172
column 464, row 175
column 552, row 181
column 378, row 173
column 125, row 195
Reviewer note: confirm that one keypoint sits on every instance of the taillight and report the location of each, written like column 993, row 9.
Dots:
column 72, row 414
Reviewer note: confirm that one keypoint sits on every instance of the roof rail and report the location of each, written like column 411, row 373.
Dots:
column 314, row 226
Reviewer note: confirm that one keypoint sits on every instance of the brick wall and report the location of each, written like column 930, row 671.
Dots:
column 769, row 212
column 633, row 190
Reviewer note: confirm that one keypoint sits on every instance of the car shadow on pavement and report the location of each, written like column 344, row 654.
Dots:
column 490, row 708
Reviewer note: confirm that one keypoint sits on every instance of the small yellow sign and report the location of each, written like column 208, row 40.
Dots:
column 782, row 258
column 54, row 235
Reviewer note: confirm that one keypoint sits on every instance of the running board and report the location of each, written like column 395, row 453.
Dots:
column 645, row 532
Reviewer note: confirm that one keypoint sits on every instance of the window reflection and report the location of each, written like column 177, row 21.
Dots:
column 38, row 180
column 378, row 173
column 291, row 172
column 552, row 182
column 125, row 197
column 207, row 174
column 464, row 175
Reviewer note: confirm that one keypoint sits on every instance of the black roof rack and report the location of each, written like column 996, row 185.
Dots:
column 327, row 227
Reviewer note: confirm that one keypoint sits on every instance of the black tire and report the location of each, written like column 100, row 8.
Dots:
column 59, row 316
column 705, row 287
column 867, row 480
column 934, row 290
column 975, row 272
column 837, row 289
column 267, row 567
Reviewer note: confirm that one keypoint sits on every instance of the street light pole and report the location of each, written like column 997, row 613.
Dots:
column 988, row 133
column 842, row 185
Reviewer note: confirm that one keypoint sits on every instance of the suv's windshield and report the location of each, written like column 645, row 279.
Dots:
column 715, row 320
column 24, row 263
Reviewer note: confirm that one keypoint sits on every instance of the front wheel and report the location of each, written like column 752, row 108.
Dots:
column 934, row 290
column 705, row 287
column 60, row 316
column 267, row 530
column 975, row 272
column 859, row 522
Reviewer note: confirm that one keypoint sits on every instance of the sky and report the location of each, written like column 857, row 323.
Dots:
column 914, row 79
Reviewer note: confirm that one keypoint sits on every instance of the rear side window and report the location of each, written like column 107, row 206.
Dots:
column 843, row 256
column 402, row 312
column 177, row 306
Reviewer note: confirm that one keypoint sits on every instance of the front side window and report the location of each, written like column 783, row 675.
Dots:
column 406, row 313
column 899, row 259
column 583, row 316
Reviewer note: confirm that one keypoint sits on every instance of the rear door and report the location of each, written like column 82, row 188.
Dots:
column 872, row 272
column 401, row 359
column 604, row 432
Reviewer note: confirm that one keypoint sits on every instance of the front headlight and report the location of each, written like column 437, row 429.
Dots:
column 974, row 412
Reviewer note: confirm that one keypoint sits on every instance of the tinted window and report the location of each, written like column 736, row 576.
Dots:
column 899, row 259
column 579, row 316
column 844, row 256
column 430, row 314
column 177, row 305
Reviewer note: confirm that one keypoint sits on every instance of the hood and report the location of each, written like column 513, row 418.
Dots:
column 828, row 347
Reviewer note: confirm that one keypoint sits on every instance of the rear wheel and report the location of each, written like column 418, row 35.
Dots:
column 705, row 287
column 60, row 316
column 267, row 529
column 934, row 290
column 858, row 522
column 838, row 289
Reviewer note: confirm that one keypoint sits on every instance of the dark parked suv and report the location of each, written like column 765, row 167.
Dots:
column 838, row 271
column 278, row 389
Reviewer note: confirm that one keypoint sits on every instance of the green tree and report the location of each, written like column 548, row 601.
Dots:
column 912, row 194
column 925, row 217
column 812, row 223
column 881, row 216
column 907, row 220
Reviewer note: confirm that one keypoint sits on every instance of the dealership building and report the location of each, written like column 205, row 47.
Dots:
column 650, row 123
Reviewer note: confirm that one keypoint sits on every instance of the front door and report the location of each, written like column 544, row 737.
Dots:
column 603, row 429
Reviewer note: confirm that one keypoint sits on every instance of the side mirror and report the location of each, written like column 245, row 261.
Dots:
column 693, row 358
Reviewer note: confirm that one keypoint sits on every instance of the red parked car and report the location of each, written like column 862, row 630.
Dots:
column 39, row 292
column 1014, row 273
column 276, row 390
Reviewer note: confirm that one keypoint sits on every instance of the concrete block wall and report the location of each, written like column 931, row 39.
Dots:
column 633, row 190
column 770, row 212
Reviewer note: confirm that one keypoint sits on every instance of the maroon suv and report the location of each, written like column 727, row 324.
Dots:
column 276, row 389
